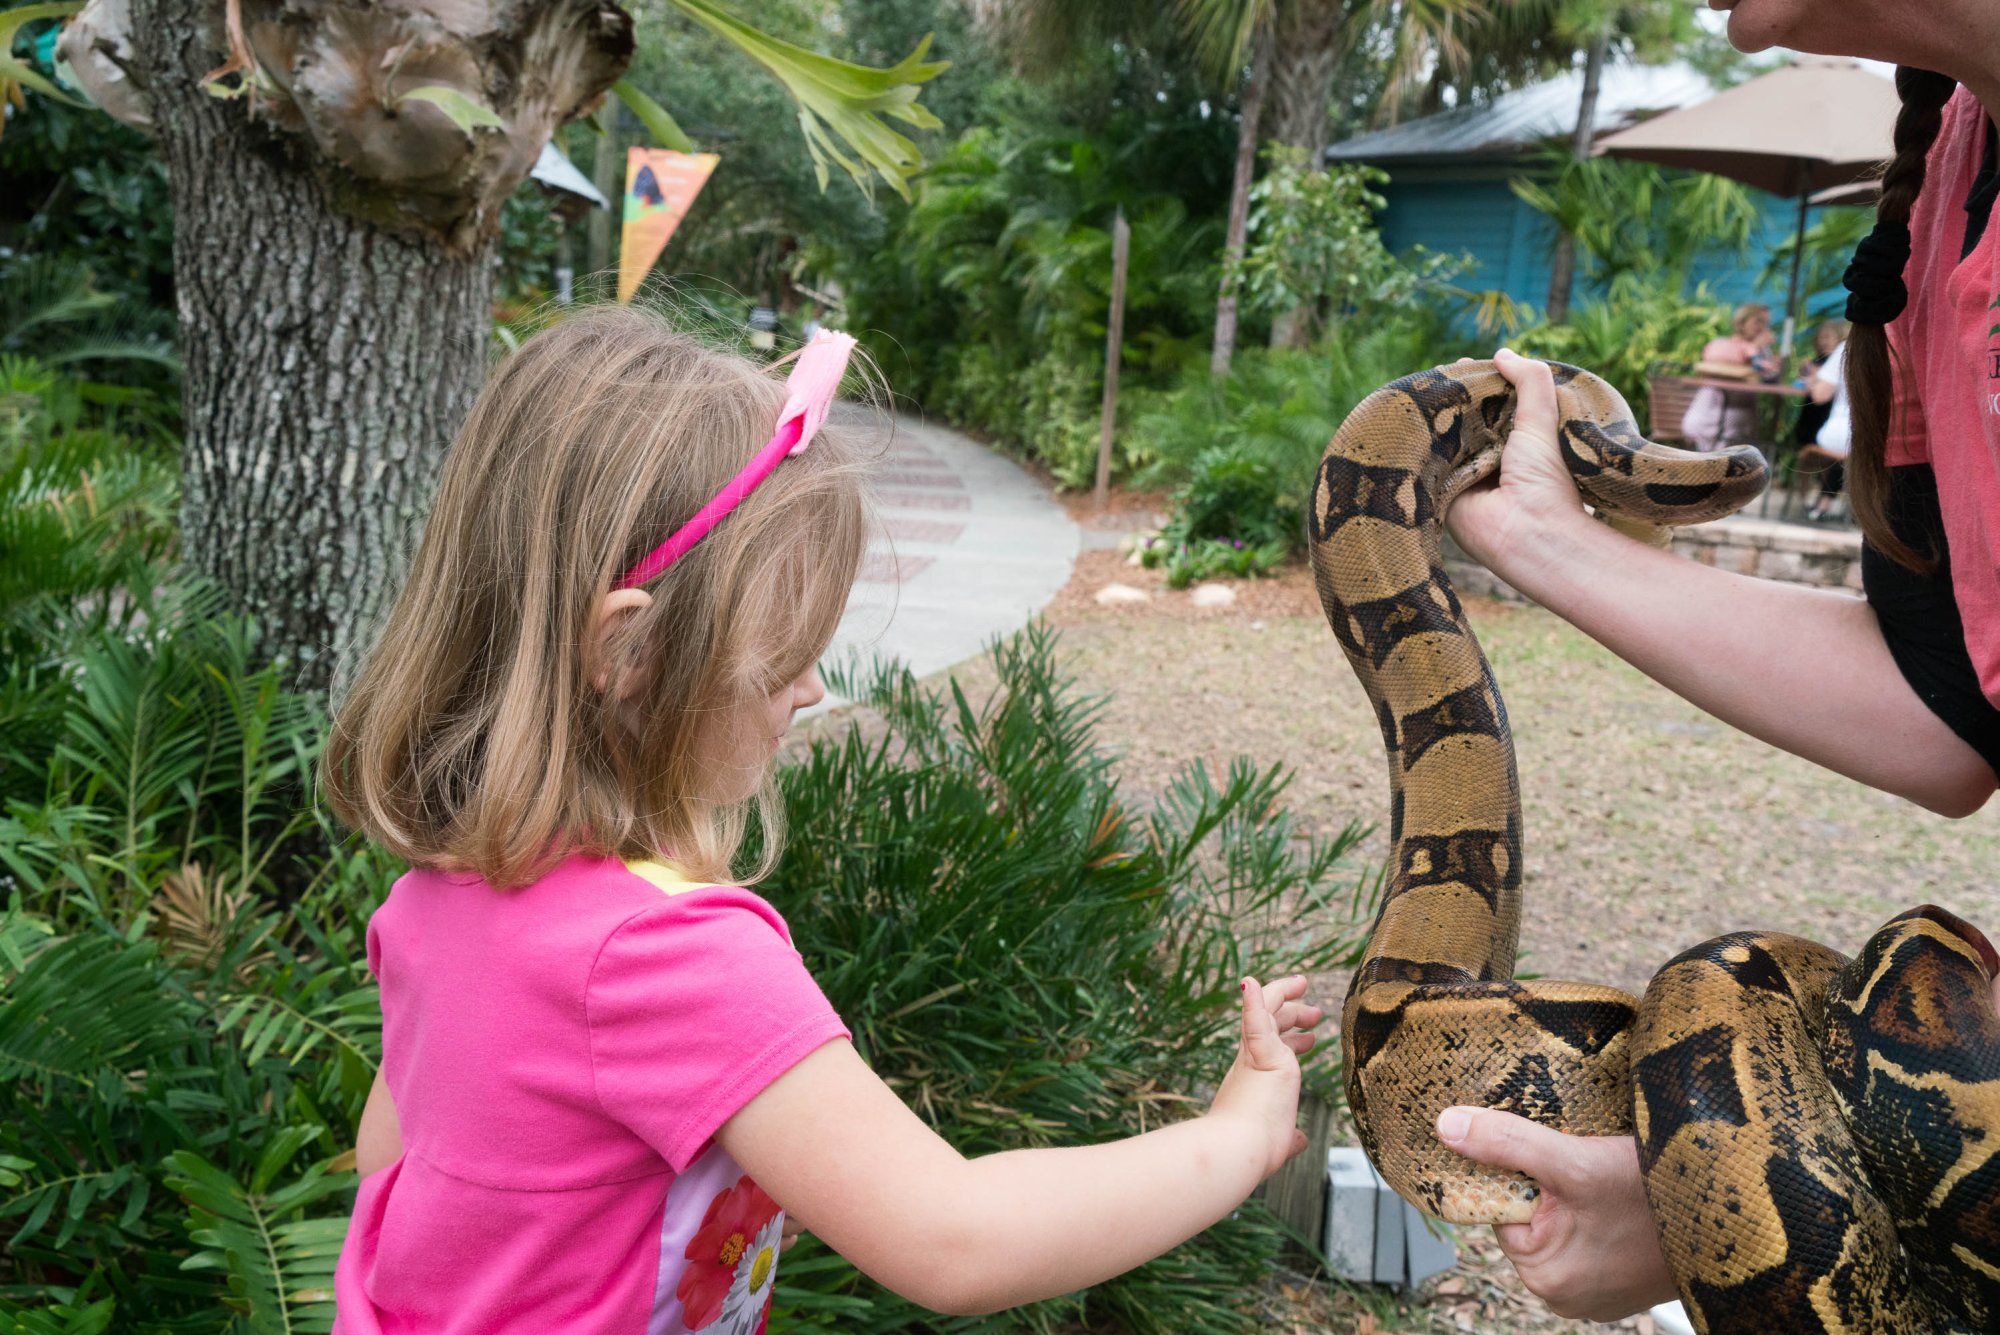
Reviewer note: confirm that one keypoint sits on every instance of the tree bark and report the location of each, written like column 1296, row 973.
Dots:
column 1306, row 54
column 328, row 363
column 1562, row 265
column 1304, row 57
column 1252, row 112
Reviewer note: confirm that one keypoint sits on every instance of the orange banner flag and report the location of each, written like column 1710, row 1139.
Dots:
column 660, row 185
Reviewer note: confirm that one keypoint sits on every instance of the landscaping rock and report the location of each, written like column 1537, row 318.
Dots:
column 1212, row 595
column 1116, row 595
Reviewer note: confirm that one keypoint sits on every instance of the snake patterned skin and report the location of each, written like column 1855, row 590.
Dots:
column 1820, row 1137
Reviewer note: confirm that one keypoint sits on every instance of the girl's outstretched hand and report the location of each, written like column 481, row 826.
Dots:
column 1497, row 521
column 1262, row 1087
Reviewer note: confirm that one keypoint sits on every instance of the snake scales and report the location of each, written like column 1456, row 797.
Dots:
column 1820, row 1137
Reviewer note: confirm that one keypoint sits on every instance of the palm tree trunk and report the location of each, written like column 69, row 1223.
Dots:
column 1562, row 266
column 1305, row 54
column 1239, row 203
column 1304, row 58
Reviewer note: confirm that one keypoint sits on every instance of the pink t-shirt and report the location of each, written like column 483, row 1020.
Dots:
column 1947, row 411
column 560, row 1057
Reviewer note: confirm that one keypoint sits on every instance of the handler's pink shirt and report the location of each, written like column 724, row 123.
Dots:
column 1948, row 401
column 560, row 1057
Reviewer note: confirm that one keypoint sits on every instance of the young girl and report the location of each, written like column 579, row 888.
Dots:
column 607, row 1075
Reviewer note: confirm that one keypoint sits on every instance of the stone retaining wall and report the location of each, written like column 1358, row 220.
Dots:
column 1828, row 558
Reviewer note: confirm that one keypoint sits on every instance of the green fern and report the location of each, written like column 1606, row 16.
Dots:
column 278, row 1260
column 86, row 1022
column 84, row 1008
column 310, row 1010
column 56, row 1319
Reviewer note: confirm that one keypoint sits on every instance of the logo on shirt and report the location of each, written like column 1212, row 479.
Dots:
column 1993, row 354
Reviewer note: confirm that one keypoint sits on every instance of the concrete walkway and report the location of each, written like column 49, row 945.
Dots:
column 970, row 547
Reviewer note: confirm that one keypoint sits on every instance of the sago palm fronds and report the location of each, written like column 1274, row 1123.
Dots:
column 80, row 1009
column 278, row 1259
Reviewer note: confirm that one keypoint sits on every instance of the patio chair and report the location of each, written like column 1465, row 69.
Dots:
column 1667, row 398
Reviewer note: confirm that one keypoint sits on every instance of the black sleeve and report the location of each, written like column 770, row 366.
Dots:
column 1919, row 616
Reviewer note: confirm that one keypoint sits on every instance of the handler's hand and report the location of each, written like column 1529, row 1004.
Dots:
column 1496, row 523
column 1590, row 1252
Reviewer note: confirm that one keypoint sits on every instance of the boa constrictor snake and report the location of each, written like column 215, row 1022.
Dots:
column 1820, row 1137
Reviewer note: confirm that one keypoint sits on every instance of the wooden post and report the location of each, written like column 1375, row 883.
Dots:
column 1802, row 178
column 608, row 174
column 1114, row 339
column 1296, row 1193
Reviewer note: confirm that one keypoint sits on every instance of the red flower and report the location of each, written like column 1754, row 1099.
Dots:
column 729, row 1226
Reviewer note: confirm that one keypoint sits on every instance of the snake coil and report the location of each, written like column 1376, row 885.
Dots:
column 1820, row 1137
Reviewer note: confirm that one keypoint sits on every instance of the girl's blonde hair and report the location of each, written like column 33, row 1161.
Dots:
column 475, row 736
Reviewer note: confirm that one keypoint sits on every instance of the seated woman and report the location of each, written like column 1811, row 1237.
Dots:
column 1715, row 418
column 1830, row 444
column 1812, row 414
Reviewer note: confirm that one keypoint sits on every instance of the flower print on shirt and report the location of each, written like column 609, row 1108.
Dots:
column 731, row 1262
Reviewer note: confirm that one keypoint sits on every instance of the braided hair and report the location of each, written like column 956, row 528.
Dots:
column 1877, row 295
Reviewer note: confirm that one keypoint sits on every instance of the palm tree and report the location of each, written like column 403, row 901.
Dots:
column 1220, row 31
column 1286, row 50
column 1308, row 41
column 1526, row 39
column 338, row 168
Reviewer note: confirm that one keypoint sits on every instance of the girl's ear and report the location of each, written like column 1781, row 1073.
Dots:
column 615, row 605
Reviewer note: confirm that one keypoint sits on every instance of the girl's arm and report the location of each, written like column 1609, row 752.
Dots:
column 834, row 1146
column 1735, row 646
column 378, row 1141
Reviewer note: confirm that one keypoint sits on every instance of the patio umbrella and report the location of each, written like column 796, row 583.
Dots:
column 1797, row 131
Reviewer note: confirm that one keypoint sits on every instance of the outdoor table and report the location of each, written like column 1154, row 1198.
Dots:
column 1776, row 395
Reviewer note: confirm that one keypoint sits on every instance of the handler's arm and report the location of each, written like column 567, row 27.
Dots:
column 1801, row 668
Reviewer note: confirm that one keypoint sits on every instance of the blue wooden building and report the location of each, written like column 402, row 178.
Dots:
column 1448, row 181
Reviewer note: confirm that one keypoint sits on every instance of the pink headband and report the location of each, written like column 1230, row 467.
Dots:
column 808, row 393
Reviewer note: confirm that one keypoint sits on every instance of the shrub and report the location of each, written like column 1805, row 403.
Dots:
column 1241, row 453
column 1638, row 323
column 996, row 281
column 1313, row 245
column 1030, row 957
column 1186, row 561
column 169, row 1023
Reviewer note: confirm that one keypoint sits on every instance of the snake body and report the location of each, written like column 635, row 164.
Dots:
column 1820, row 1137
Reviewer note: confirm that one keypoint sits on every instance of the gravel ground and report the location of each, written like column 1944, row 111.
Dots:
column 1649, row 825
